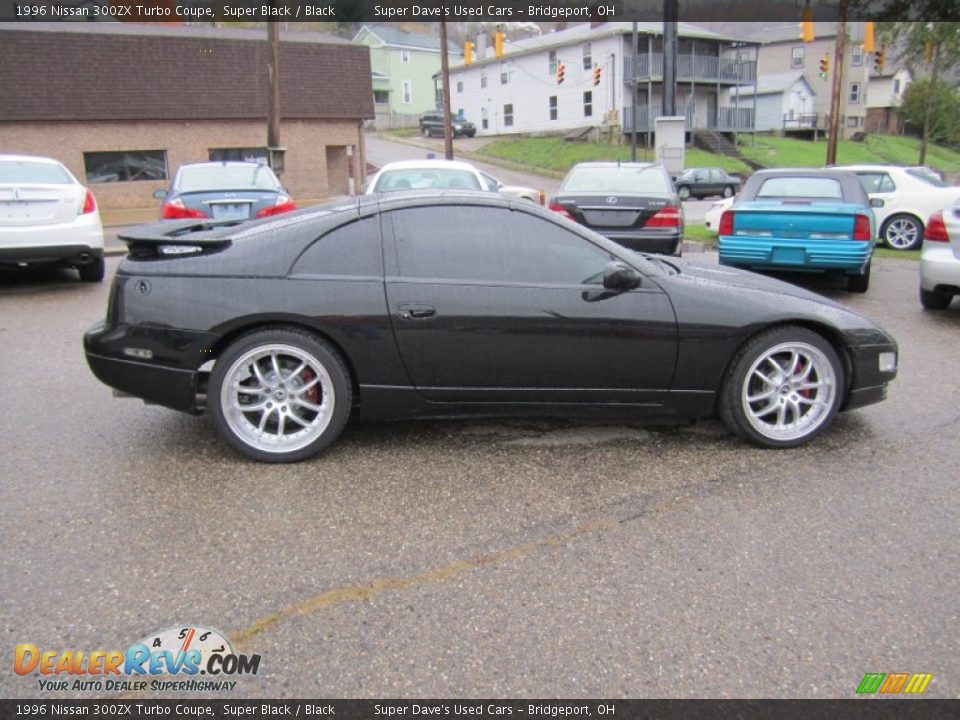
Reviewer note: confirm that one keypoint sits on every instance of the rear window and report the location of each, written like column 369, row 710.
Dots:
column 419, row 179
column 30, row 171
column 928, row 176
column 630, row 180
column 226, row 177
column 801, row 187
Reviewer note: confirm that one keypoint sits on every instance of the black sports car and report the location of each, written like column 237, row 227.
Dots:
column 460, row 303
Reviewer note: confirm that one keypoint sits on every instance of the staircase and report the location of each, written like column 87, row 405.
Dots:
column 719, row 144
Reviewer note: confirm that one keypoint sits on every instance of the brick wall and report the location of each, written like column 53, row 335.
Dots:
column 306, row 175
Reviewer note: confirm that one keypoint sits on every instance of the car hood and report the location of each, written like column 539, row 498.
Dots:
column 709, row 274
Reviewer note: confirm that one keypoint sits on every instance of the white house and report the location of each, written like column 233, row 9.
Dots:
column 519, row 93
column 783, row 100
column 884, row 96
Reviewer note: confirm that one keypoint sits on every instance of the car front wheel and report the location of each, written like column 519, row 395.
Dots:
column 783, row 388
column 684, row 193
column 279, row 395
column 903, row 232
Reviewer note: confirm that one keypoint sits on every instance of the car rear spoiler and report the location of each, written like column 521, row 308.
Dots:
column 177, row 237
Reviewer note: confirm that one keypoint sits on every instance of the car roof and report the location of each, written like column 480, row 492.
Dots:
column 613, row 163
column 33, row 158
column 428, row 163
column 222, row 163
column 804, row 172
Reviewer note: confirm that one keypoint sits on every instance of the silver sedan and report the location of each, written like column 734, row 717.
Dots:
column 940, row 259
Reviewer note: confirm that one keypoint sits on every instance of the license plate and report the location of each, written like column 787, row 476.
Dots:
column 610, row 218
column 789, row 256
column 231, row 211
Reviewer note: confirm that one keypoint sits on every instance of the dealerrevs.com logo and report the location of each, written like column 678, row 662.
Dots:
column 170, row 660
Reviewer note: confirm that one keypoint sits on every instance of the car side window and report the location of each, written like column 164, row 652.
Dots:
column 492, row 245
column 349, row 250
column 876, row 182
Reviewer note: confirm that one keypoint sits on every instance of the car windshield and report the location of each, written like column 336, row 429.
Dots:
column 226, row 177
column 426, row 179
column 623, row 179
column 801, row 187
column 30, row 171
column 928, row 176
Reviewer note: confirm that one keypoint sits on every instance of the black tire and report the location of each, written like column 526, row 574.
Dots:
column 324, row 378
column 683, row 192
column 935, row 299
column 93, row 271
column 859, row 283
column 728, row 191
column 471, row 134
column 741, row 378
column 895, row 228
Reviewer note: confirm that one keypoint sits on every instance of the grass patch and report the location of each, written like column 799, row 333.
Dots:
column 878, row 149
column 699, row 233
column 886, row 252
column 403, row 132
column 559, row 155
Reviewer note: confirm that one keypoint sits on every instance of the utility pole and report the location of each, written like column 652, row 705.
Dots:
column 445, row 72
column 274, row 152
column 837, row 93
column 931, row 98
column 670, row 13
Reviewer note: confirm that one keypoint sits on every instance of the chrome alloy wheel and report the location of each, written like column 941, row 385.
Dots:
column 789, row 391
column 277, row 398
column 902, row 233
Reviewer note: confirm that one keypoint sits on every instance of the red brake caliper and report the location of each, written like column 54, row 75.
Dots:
column 313, row 394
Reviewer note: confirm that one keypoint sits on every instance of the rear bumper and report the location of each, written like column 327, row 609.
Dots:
column 647, row 241
column 68, row 254
column 851, row 256
column 53, row 241
column 939, row 267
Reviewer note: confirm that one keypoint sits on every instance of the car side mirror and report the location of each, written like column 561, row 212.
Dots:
column 620, row 277
column 159, row 194
column 876, row 202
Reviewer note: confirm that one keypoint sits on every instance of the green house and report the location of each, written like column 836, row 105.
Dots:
column 402, row 65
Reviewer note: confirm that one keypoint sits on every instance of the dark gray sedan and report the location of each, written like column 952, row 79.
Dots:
column 706, row 182
column 224, row 191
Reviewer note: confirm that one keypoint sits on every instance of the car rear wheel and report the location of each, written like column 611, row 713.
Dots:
column 935, row 299
column 903, row 232
column 683, row 192
column 280, row 395
column 728, row 191
column 783, row 388
column 93, row 271
column 859, row 283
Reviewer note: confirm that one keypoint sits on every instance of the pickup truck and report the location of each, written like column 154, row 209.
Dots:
column 801, row 220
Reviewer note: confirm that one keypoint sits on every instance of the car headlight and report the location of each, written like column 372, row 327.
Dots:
column 888, row 361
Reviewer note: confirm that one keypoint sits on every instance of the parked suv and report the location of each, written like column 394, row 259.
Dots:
column 431, row 123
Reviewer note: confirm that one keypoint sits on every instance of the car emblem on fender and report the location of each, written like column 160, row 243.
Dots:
column 612, row 200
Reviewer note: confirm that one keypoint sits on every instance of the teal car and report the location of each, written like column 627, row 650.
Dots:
column 801, row 220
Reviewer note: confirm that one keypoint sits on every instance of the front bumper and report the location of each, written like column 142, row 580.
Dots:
column 851, row 256
column 868, row 383
column 939, row 267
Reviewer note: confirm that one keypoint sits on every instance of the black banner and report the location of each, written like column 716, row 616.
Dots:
column 866, row 709
column 462, row 10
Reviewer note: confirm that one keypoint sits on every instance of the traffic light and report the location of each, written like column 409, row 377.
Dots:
column 467, row 53
column 596, row 75
column 806, row 26
column 878, row 58
column 561, row 71
column 868, row 39
column 825, row 66
column 498, row 44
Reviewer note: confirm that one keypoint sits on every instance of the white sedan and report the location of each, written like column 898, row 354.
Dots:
column 902, row 199
column 433, row 174
column 940, row 259
column 712, row 218
column 47, row 217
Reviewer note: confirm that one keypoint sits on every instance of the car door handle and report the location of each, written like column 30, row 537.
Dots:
column 416, row 311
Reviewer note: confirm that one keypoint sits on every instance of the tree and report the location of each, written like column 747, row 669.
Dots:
column 933, row 45
column 945, row 109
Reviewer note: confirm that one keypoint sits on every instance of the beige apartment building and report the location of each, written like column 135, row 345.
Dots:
column 783, row 51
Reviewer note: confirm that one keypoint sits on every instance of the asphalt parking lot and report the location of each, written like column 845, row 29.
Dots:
column 488, row 558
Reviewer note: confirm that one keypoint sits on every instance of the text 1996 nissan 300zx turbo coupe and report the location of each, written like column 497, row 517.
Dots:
column 456, row 303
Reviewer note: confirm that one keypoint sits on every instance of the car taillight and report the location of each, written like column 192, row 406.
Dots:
column 936, row 231
column 726, row 223
column 666, row 217
column 176, row 210
column 89, row 204
column 283, row 204
column 558, row 208
column 861, row 228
